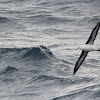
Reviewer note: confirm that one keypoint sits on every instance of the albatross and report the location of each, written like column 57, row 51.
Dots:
column 88, row 46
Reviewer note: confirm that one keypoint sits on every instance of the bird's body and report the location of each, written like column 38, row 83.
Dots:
column 88, row 46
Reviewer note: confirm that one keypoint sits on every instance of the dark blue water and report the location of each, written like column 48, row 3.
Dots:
column 37, row 56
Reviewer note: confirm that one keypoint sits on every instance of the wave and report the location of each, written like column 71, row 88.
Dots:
column 48, row 19
column 71, row 96
column 10, row 23
column 57, row 80
column 90, row 93
column 9, row 70
column 54, row 2
column 62, row 80
column 89, row 20
column 4, row 19
column 63, row 9
column 33, row 53
column 5, row 1
column 38, row 53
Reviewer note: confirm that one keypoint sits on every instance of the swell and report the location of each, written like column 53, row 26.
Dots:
column 88, row 93
column 33, row 53
column 5, row 1
column 48, row 19
column 9, row 70
column 38, row 53
column 68, row 81
column 89, row 20
column 4, row 19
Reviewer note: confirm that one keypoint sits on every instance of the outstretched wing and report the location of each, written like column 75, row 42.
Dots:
column 93, row 34
column 80, row 61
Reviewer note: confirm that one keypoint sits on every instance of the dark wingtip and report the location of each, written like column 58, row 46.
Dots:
column 74, row 72
column 98, row 23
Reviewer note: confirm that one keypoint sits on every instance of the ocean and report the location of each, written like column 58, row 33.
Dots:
column 37, row 50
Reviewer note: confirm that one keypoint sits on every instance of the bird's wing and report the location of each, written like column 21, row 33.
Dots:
column 80, row 61
column 93, row 34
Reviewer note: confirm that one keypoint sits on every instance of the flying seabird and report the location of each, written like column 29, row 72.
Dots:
column 88, row 46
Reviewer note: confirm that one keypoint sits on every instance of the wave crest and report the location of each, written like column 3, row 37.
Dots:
column 9, row 69
column 38, row 53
